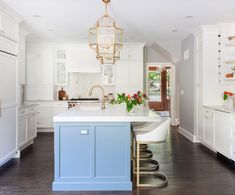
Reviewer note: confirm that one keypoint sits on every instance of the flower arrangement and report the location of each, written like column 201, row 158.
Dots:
column 131, row 101
column 227, row 94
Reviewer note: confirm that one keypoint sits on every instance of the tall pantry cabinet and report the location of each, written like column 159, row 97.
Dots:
column 9, row 26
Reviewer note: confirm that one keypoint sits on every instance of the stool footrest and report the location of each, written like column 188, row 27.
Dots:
column 146, row 154
column 158, row 176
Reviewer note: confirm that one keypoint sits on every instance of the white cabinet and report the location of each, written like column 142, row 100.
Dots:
column 61, row 71
column 81, row 58
column 31, row 126
column 46, row 110
column 27, row 126
column 129, row 76
column 223, row 127
column 209, row 128
column 8, row 27
column 8, row 79
column 40, row 72
column 132, row 51
column 8, row 142
column 130, row 69
column 21, row 58
column 22, row 135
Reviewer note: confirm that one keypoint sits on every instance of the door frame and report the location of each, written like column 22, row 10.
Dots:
column 173, row 108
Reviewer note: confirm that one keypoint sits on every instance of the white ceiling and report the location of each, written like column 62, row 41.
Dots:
column 142, row 20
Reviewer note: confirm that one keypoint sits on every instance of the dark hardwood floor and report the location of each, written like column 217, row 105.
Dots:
column 190, row 168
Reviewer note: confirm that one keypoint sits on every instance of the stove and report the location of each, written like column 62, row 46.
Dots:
column 76, row 101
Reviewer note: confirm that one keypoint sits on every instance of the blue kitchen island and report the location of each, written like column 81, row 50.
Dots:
column 92, row 148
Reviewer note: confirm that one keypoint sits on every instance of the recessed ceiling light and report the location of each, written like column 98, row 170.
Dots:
column 188, row 17
column 36, row 16
column 174, row 30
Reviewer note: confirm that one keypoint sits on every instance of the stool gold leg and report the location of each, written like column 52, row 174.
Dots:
column 134, row 155
column 138, row 165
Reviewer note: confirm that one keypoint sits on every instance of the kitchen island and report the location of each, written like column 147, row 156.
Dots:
column 92, row 148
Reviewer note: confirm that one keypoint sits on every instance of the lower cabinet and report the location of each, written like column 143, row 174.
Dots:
column 223, row 133
column 209, row 128
column 219, row 132
column 27, row 126
column 92, row 156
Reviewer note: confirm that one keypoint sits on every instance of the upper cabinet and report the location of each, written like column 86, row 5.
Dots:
column 81, row 58
column 8, row 27
column 39, row 72
column 22, row 61
column 61, row 71
column 40, row 65
column 132, row 51
column 130, row 69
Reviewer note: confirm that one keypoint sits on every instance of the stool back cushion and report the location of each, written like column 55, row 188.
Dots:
column 158, row 133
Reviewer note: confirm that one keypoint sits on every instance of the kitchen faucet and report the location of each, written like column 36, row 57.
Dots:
column 103, row 94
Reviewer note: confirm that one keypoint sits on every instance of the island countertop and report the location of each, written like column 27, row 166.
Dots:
column 112, row 113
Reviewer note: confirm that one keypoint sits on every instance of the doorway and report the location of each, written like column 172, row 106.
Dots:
column 159, row 78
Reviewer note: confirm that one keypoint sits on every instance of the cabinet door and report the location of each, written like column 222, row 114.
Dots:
column 223, row 133
column 131, row 52
column 7, row 134
column 129, row 76
column 31, row 126
column 209, row 127
column 75, row 151
column 110, row 153
column 22, row 136
column 8, row 27
column 61, row 72
column 8, row 77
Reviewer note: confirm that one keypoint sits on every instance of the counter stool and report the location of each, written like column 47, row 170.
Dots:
column 143, row 147
column 153, row 133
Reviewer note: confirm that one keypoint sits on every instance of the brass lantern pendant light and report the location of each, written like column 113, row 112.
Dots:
column 106, row 38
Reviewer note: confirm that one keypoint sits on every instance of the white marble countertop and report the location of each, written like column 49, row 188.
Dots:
column 112, row 113
column 222, row 108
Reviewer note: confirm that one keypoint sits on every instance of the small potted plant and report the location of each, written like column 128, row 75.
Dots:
column 131, row 101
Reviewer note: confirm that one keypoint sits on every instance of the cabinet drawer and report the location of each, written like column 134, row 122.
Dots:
column 31, row 110
column 22, row 112
column 46, row 104
column 61, row 104
column 44, row 112
column 44, row 122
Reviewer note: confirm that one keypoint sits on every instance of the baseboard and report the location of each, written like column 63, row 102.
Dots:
column 7, row 157
column 45, row 130
column 188, row 135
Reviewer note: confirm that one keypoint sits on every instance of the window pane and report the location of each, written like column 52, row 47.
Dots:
column 154, row 85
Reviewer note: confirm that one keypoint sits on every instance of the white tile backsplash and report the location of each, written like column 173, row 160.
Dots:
column 80, row 83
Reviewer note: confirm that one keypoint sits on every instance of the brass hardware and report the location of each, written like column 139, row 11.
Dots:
column 103, row 94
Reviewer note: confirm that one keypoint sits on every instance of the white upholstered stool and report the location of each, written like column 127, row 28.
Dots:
column 149, row 133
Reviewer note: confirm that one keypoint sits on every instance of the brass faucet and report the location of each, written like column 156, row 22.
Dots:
column 103, row 94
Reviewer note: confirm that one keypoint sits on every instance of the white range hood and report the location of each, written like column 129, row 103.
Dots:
column 82, row 59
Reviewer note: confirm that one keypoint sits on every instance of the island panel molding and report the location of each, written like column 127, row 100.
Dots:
column 92, row 156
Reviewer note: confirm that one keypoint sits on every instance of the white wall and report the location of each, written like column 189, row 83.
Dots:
column 187, row 86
